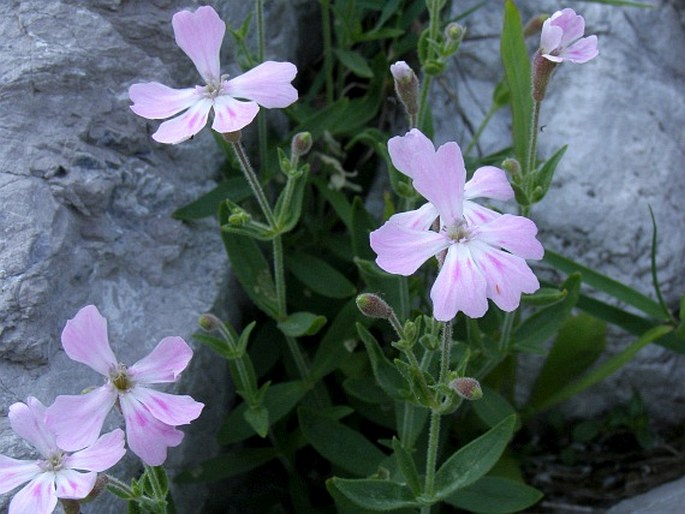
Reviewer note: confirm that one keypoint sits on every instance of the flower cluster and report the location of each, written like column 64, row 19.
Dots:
column 482, row 253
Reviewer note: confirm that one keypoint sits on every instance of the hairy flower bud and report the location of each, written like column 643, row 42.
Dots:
column 542, row 71
column 534, row 25
column 373, row 306
column 454, row 31
column 209, row 322
column 466, row 387
column 406, row 86
column 512, row 166
column 301, row 144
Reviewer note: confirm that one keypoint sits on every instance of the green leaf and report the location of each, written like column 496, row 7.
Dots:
column 302, row 324
column 384, row 371
column 604, row 370
column 545, row 296
column 517, row 70
column 337, row 199
column 362, row 225
column 319, row 276
column 624, row 3
column 606, row 285
column 393, row 288
column 258, row 419
column 495, row 495
column 545, row 323
column 655, row 279
column 354, row 62
column 378, row 495
column 492, row 408
column 474, row 460
column 680, row 331
column 407, row 466
column 544, row 176
column 235, row 189
column 343, row 504
column 289, row 205
column 338, row 443
column 278, row 400
column 410, row 420
column 580, row 342
column 225, row 466
column 322, row 120
column 250, row 267
column 365, row 389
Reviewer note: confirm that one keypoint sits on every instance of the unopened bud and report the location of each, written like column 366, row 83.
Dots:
column 209, row 322
column 410, row 332
column 406, row 86
column 454, row 31
column 239, row 217
column 542, row 71
column 232, row 137
column 512, row 166
column 534, row 25
column 301, row 144
column 373, row 306
column 466, row 387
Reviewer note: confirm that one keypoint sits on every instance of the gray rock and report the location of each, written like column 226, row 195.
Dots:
column 86, row 198
column 622, row 116
column 665, row 499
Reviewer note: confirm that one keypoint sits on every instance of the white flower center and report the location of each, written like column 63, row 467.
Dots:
column 121, row 379
column 459, row 231
column 53, row 462
column 214, row 88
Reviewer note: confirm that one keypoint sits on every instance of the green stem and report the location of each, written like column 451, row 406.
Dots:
column 253, row 181
column 532, row 149
column 504, row 339
column 479, row 130
column 422, row 102
column 279, row 277
column 327, row 49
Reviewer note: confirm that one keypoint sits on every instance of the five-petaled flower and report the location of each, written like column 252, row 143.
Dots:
column 485, row 250
column 562, row 38
column 235, row 102
column 151, row 416
column 57, row 474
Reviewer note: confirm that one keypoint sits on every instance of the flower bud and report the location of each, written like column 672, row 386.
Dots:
column 466, row 387
column 406, row 86
column 239, row 217
column 209, row 322
column 512, row 166
column 301, row 144
column 542, row 71
column 534, row 25
column 454, row 32
column 373, row 306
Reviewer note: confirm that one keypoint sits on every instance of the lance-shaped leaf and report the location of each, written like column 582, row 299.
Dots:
column 495, row 495
column 378, row 495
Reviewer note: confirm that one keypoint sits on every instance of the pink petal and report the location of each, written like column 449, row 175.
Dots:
column 508, row 276
column 489, row 182
column 231, row 115
column 38, row 497
column 516, row 234
column 572, row 25
column 419, row 219
column 404, row 149
column 164, row 363
column 476, row 214
column 99, row 456
column 74, row 485
column 550, row 37
column 84, row 338
column 184, row 126
column 28, row 421
column 15, row 472
column 440, row 179
column 77, row 419
column 170, row 409
column 268, row 84
column 460, row 286
column 147, row 437
column 200, row 34
column 156, row 101
column 402, row 250
column 582, row 50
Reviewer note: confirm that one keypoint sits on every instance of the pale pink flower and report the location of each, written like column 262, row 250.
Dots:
column 57, row 473
column 235, row 102
column 151, row 416
column 562, row 38
column 485, row 251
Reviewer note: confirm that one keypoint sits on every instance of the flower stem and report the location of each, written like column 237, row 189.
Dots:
column 253, row 181
column 422, row 102
column 532, row 149
column 479, row 130
column 279, row 276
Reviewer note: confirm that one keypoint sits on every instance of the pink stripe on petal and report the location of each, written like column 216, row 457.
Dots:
column 582, row 50
column 84, row 338
column 508, row 276
column 28, row 421
column 476, row 214
column 170, row 409
column 99, row 456
column 73, row 485
column 147, row 437
column 231, row 115
column 489, row 182
column 440, row 179
column 268, row 84
column 184, row 126
column 200, row 34
column 156, row 101
column 572, row 25
column 405, row 149
column 164, row 363
column 460, row 286
column 516, row 234
column 77, row 419
column 402, row 250
column 37, row 497
column 15, row 472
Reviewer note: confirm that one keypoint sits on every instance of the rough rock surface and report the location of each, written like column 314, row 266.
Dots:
column 665, row 499
column 86, row 198
column 622, row 116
